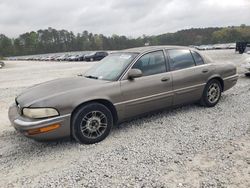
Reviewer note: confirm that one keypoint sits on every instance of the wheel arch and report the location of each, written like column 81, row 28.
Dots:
column 217, row 77
column 104, row 102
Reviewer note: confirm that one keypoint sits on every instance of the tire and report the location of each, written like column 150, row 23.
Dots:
column 92, row 123
column 211, row 94
column 91, row 59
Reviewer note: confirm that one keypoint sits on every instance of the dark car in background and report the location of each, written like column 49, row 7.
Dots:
column 241, row 46
column 78, row 57
column 81, row 57
column 95, row 56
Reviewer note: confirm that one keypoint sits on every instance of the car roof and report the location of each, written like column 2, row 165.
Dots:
column 150, row 48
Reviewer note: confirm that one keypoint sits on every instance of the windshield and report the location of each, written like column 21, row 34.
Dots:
column 111, row 67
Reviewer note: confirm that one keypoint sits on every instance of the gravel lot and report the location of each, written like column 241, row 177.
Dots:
column 190, row 146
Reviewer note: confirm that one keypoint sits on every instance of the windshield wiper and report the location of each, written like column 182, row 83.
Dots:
column 92, row 77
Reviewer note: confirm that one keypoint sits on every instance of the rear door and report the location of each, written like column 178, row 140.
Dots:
column 189, row 76
column 153, row 90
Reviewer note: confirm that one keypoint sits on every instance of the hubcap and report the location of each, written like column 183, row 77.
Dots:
column 94, row 124
column 213, row 93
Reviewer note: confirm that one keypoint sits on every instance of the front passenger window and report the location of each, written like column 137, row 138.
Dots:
column 151, row 63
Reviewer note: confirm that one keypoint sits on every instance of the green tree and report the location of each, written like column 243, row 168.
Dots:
column 51, row 40
column 6, row 46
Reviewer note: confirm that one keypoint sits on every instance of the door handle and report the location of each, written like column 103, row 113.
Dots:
column 165, row 79
column 205, row 70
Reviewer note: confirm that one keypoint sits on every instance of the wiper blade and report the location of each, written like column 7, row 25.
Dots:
column 92, row 77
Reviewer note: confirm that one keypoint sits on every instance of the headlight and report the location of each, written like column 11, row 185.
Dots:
column 40, row 112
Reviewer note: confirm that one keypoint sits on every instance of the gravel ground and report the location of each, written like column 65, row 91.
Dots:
column 189, row 146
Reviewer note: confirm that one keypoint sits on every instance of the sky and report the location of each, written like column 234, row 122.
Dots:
column 131, row 18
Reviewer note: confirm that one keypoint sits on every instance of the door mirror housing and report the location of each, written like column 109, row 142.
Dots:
column 134, row 73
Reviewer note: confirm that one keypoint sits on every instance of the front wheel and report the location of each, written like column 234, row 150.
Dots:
column 211, row 94
column 92, row 123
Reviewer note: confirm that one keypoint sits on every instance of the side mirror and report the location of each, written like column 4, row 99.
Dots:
column 134, row 73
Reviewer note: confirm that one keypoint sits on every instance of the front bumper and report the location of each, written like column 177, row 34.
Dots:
column 23, row 124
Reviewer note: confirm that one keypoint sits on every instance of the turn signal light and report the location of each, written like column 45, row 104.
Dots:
column 43, row 129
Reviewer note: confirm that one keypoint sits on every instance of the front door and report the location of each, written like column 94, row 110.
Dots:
column 150, row 92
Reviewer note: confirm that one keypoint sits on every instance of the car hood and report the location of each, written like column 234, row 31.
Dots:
column 55, row 87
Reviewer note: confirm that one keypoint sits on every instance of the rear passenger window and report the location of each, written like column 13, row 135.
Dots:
column 180, row 59
column 198, row 59
column 151, row 63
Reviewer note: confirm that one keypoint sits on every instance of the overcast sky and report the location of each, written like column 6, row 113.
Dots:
column 124, row 17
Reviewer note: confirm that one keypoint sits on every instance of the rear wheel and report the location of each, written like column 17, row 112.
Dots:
column 211, row 94
column 92, row 123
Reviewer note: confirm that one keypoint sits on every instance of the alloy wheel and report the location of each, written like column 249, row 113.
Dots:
column 94, row 124
column 213, row 93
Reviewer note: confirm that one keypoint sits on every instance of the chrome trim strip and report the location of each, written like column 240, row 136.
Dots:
column 159, row 94
column 188, row 88
column 231, row 77
column 147, row 97
column 39, row 122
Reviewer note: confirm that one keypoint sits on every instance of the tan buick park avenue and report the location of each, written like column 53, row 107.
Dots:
column 123, row 85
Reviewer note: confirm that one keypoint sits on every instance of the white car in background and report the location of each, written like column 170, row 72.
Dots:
column 246, row 63
column 247, row 50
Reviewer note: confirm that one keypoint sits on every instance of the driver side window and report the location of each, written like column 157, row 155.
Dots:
column 151, row 63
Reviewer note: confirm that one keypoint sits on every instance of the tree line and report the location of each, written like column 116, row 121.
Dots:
column 51, row 40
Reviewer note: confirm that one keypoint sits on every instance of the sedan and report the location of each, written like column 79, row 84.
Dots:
column 95, row 56
column 123, row 85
